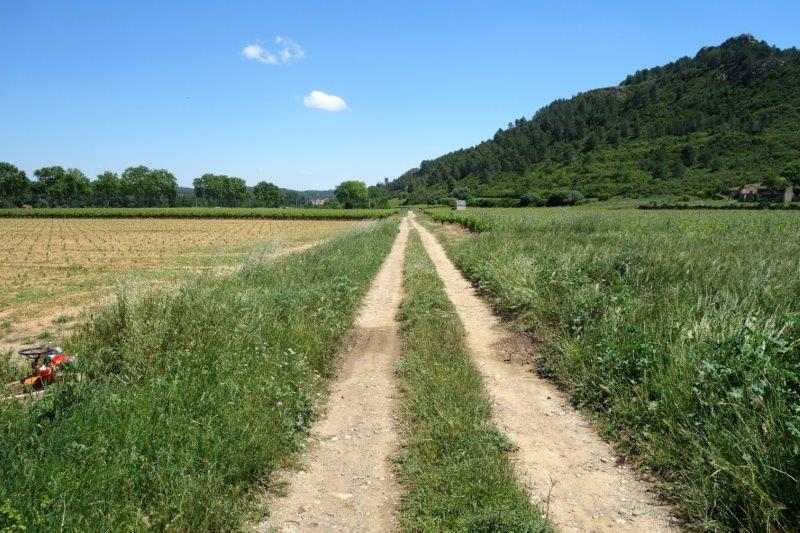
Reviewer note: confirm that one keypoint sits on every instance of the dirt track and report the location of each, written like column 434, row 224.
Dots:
column 570, row 471
column 347, row 484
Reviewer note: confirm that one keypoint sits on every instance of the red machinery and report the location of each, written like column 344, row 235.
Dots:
column 46, row 362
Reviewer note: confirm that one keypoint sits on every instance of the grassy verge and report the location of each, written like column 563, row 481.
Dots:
column 679, row 330
column 730, row 207
column 198, row 212
column 454, row 466
column 189, row 399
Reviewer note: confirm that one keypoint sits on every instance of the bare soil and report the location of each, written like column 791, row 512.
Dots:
column 57, row 266
column 47, row 326
column 347, row 482
column 571, row 473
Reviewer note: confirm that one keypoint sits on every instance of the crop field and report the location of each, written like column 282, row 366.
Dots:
column 51, row 268
column 198, row 212
column 677, row 331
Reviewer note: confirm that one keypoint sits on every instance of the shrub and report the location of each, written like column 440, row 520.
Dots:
column 531, row 199
column 493, row 202
column 564, row 197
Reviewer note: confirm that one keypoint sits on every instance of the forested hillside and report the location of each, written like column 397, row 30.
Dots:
column 697, row 126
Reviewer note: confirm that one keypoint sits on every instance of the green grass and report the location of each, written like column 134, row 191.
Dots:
column 8, row 370
column 454, row 464
column 678, row 330
column 198, row 212
column 189, row 399
column 731, row 206
column 5, row 327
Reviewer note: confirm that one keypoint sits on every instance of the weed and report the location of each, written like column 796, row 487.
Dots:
column 62, row 319
column 9, row 371
column 5, row 327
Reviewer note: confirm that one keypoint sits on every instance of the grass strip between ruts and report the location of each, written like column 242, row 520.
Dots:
column 454, row 465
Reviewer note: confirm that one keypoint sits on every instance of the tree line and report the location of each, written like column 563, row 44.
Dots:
column 56, row 186
column 230, row 191
column 138, row 186
column 355, row 194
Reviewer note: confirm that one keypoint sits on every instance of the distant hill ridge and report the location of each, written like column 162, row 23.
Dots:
column 728, row 116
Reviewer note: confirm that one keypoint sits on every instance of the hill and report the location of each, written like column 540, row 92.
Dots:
column 728, row 116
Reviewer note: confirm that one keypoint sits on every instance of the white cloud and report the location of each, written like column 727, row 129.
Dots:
column 257, row 53
column 324, row 101
column 287, row 51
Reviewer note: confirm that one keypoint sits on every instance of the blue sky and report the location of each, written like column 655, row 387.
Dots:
column 107, row 84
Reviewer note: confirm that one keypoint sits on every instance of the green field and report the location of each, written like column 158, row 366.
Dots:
column 677, row 330
column 197, row 212
column 188, row 399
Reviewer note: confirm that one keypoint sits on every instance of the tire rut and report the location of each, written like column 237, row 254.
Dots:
column 571, row 473
column 347, row 483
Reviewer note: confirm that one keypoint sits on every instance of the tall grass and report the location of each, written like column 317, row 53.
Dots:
column 9, row 371
column 680, row 330
column 188, row 399
column 454, row 463
column 197, row 212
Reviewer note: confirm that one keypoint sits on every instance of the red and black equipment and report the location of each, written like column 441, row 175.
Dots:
column 46, row 362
